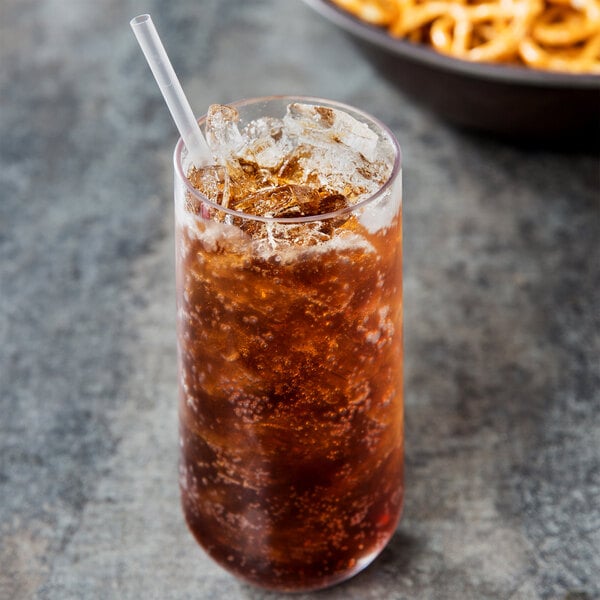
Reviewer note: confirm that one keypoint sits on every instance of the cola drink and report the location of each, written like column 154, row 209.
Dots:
column 289, row 317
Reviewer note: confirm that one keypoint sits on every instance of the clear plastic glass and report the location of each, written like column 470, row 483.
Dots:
column 290, row 379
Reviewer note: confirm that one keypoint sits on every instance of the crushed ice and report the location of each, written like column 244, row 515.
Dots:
column 315, row 160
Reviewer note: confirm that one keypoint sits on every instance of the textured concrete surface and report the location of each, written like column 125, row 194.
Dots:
column 502, row 318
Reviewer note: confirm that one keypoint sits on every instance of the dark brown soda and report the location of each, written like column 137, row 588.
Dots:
column 291, row 414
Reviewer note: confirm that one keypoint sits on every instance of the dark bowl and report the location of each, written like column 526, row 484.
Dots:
column 511, row 101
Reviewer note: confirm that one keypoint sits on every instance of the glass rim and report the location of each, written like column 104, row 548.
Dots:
column 177, row 155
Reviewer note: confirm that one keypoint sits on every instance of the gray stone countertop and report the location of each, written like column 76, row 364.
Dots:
column 501, row 318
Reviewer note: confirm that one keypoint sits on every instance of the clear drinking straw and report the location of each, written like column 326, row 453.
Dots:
column 181, row 111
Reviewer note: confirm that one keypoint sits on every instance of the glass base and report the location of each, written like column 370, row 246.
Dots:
column 267, row 579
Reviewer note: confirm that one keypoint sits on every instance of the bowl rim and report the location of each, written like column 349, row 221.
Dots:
column 509, row 74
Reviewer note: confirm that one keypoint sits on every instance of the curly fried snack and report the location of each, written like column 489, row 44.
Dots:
column 558, row 35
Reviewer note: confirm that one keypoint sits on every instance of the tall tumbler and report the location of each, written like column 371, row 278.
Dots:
column 290, row 374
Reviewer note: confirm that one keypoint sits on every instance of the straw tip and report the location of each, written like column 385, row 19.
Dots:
column 140, row 20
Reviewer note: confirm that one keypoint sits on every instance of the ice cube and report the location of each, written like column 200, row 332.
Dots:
column 266, row 142
column 228, row 146
column 356, row 135
column 284, row 201
column 291, row 201
column 213, row 182
column 315, row 160
column 332, row 166
column 333, row 150
column 337, row 126
column 222, row 131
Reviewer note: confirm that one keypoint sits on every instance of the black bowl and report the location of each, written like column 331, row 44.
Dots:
column 511, row 101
